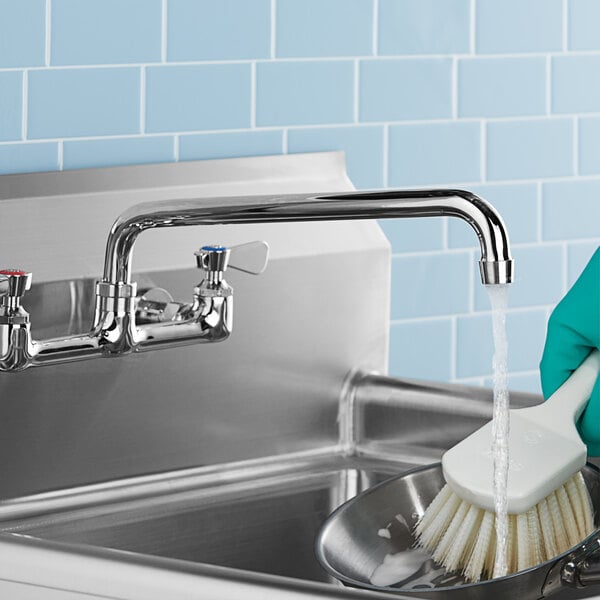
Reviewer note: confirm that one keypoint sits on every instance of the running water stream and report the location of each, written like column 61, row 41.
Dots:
column 500, row 426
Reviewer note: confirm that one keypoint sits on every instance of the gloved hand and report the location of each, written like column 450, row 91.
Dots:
column 573, row 332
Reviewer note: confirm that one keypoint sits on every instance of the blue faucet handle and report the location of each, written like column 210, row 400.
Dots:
column 249, row 258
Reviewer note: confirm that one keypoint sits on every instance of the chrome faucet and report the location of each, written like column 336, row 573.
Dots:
column 124, row 322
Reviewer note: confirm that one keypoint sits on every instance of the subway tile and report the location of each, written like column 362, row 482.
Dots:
column 414, row 235
column 518, row 26
column 571, row 210
column 501, row 87
column 83, row 154
column 187, row 98
column 516, row 203
column 526, row 332
column 392, row 90
column 230, row 144
column 432, row 153
column 363, row 147
column 421, row 350
column 520, row 382
column 22, row 33
column 11, row 103
column 28, row 158
column 584, row 16
column 304, row 93
column 537, row 278
column 589, row 145
column 525, row 149
column 578, row 256
column 430, row 285
column 424, row 26
column 575, row 84
column 223, row 30
column 107, row 32
column 324, row 28
column 82, row 102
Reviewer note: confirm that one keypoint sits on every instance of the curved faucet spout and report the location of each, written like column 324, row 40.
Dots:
column 496, row 265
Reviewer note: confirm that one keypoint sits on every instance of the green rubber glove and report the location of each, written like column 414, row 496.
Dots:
column 573, row 332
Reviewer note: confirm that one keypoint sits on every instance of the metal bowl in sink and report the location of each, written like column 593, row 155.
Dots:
column 352, row 544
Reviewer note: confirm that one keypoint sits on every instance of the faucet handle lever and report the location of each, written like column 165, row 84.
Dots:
column 250, row 258
column 17, row 282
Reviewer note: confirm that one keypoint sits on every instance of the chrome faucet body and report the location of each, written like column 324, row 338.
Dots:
column 124, row 323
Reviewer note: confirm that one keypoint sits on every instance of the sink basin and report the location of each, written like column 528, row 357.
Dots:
column 243, row 529
column 266, row 524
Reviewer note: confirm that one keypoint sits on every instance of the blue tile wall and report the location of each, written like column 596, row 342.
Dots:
column 363, row 147
column 573, row 89
column 80, row 30
column 395, row 90
column 518, row 26
column 22, row 33
column 502, row 87
column 192, row 97
column 434, row 153
column 584, row 16
column 230, row 144
column 11, row 105
column 223, row 30
column 589, row 146
column 80, row 154
column 529, row 149
column 498, row 97
column 423, row 27
column 83, row 102
column 312, row 28
column 304, row 93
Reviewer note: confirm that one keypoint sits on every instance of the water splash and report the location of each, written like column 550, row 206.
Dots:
column 500, row 426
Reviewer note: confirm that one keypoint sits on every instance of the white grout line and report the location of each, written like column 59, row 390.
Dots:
column 366, row 57
column 356, row 90
column 176, row 148
column 143, row 100
column 548, row 85
column 565, row 26
column 25, row 104
column 375, row 47
column 576, row 122
column 472, row 25
column 48, row 41
column 163, row 33
column 253, row 96
column 284, row 141
column 273, row 26
column 539, row 212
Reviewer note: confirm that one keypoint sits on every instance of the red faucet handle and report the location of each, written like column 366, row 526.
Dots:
column 18, row 281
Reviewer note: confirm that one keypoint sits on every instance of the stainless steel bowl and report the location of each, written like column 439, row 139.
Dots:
column 350, row 545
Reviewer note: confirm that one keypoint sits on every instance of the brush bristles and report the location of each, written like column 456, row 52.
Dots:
column 462, row 537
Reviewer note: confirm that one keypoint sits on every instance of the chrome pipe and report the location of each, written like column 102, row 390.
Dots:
column 496, row 265
column 208, row 318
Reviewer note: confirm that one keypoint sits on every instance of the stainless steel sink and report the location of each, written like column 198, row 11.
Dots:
column 253, row 521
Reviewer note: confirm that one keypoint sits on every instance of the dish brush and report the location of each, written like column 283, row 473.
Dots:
column 548, row 503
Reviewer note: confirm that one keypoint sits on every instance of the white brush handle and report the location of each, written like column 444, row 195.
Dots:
column 569, row 400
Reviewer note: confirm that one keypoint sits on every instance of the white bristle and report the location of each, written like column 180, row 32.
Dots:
column 461, row 537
